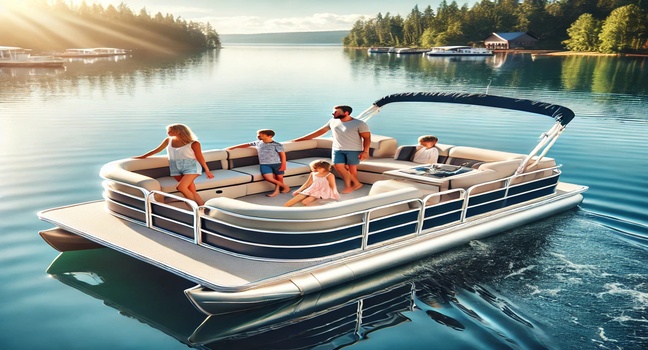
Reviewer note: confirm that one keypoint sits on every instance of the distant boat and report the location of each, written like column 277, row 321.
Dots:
column 459, row 51
column 13, row 56
column 380, row 49
column 408, row 51
column 93, row 52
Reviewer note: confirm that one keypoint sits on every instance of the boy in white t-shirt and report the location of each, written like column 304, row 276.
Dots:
column 426, row 152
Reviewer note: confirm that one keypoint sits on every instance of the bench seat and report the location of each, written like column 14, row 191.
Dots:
column 222, row 178
column 330, row 215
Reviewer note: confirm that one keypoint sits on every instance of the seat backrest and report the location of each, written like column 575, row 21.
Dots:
column 406, row 152
column 306, row 149
column 382, row 146
column 240, row 157
column 473, row 157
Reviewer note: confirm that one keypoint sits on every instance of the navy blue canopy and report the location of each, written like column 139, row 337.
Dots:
column 561, row 114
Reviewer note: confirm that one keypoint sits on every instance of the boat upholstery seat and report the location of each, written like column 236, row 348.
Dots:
column 402, row 159
column 304, row 218
column 153, row 173
column 240, row 167
column 232, row 167
column 490, row 165
column 406, row 153
column 503, row 163
column 473, row 157
column 299, row 155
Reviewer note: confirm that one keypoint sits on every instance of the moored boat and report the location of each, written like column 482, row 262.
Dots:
column 458, row 51
column 13, row 56
column 380, row 49
column 408, row 51
column 92, row 52
column 243, row 251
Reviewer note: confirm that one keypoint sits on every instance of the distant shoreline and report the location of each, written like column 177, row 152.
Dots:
column 539, row 52
column 571, row 53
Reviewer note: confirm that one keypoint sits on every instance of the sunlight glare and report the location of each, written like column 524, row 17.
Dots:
column 37, row 23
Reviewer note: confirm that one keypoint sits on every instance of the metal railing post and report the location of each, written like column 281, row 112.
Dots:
column 365, row 230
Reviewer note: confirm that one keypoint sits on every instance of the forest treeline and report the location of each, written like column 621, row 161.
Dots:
column 607, row 26
column 55, row 25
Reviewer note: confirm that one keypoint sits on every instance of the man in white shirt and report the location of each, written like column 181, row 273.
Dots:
column 351, row 142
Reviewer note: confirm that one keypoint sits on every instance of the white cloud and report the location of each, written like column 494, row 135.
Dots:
column 256, row 24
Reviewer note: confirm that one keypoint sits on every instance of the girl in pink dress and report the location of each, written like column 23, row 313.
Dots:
column 320, row 185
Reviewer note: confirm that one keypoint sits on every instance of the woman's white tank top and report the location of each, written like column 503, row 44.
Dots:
column 182, row 152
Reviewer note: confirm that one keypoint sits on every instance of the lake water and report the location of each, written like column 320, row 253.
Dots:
column 577, row 280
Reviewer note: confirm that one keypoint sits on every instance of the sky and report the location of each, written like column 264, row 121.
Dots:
column 275, row 16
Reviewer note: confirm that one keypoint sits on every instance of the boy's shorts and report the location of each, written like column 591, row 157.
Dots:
column 346, row 157
column 271, row 169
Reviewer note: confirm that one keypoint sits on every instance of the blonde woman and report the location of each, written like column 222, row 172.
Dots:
column 186, row 159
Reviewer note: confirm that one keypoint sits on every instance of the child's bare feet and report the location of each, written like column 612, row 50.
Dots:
column 286, row 189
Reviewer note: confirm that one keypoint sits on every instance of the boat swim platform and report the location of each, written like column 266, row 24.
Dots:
column 207, row 267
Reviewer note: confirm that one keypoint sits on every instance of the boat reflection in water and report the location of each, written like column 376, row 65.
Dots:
column 30, row 71
column 91, row 60
column 424, row 300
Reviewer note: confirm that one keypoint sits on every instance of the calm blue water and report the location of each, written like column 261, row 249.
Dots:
column 577, row 280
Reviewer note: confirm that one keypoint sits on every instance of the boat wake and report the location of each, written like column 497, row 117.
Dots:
column 634, row 232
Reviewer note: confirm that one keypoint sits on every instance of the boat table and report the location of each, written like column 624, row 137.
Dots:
column 430, row 174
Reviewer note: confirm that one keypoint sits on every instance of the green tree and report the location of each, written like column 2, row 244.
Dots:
column 532, row 16
column 481, row 20
column 355, row 38
column 381, row 29
column 507, row 18
column 396, row 28
column 428, row 39
column 584, row 34
column 427, row 20
column 413, row 27
column 624, row 30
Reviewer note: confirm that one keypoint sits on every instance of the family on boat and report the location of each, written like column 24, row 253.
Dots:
column 351, row 144
column 245, row 245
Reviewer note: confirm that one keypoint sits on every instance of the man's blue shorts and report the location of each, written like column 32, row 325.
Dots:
column 271, row 169
column 346, row 157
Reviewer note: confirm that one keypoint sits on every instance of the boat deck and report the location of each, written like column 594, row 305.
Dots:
column 198, row 264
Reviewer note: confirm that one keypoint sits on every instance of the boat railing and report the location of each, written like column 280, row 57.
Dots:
column 126, row 201
column 188, row 217
column 302, row 238
column 460, row 205
column 515, row 189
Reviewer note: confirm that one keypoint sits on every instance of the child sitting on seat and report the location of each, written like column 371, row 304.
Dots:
column 320, row 185
column 426, row 153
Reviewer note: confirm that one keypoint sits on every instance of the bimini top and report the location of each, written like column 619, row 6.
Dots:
column 562, row 115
